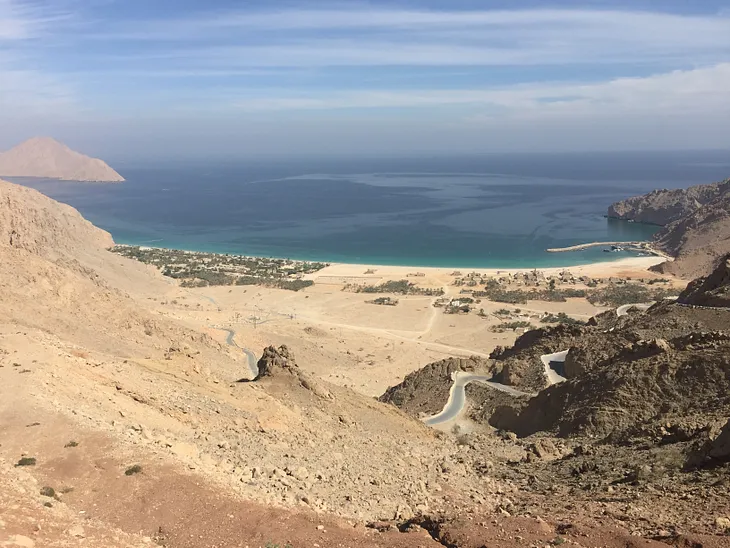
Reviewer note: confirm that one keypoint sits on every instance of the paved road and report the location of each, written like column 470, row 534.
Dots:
column 457, row 397
column 550, row 373
column 252, row 360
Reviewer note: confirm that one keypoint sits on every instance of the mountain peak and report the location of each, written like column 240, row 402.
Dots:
column 46, row 157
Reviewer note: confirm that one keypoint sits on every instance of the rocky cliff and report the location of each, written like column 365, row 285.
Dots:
column 45, row 157
column 696, row 225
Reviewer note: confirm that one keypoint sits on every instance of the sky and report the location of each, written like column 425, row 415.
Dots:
column 202, row 78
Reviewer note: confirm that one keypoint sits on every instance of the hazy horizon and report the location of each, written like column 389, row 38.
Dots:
column 124, row 80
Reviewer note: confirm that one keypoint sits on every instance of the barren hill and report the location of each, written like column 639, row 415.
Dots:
column 696, row 225
column 46, row 157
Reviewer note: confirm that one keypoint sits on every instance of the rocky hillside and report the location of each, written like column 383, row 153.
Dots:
column 712, row 290
column 670, row 364
column 45, row 157
column 426, row 391
column 696, row 225
column 35, row 223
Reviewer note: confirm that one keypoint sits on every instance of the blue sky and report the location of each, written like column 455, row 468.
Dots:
column 181, row 77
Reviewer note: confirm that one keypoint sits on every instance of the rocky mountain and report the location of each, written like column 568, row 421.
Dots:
column 45, row 157
column 696, row 225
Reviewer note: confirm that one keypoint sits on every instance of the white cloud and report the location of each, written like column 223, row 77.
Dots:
column 376, row 36
column 696, row 89
column 25, row 88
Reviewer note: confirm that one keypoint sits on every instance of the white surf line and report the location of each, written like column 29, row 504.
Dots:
column 457, row 396
column 550, row 373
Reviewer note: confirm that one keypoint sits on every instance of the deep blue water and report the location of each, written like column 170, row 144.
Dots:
column 488, row 211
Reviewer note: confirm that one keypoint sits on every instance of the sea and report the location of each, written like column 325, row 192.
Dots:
column 476, row 211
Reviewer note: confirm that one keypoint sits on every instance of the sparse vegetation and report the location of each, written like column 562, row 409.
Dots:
column 511, row 326
column 626, row 293
column 198, row 269
column 399, row 287
column 132, row 470
column 72, row 443
column 26, row 461
column 49, row 492
column 561, row 317
column 384, row 301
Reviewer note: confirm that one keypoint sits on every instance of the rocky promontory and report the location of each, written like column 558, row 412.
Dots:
column 662, row 207
column 696, row 225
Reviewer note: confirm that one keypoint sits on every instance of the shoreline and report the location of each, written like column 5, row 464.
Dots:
column 597, row 269
column 358, row 270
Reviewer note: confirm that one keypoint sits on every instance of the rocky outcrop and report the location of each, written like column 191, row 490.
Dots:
column 712, row 290
column 696, row 225
column 278, row 364
column 275, row 360
column 45, row 157
column 662, row 207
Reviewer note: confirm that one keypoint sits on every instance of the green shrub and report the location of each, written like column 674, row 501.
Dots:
column 561, row 317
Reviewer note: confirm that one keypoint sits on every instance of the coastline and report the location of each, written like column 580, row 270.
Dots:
column 618, row 268
column 623, row 267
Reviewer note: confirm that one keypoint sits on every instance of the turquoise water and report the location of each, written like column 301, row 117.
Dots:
column 492, row 211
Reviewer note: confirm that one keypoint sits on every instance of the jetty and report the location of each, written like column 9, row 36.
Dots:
column 643, row 246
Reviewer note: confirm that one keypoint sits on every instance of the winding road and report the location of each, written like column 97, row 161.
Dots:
column 252, row 360
column 550, row 373
column 457, row 395
column 624, row 310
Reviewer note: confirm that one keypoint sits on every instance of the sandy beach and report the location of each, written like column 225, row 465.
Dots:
column 628, row 267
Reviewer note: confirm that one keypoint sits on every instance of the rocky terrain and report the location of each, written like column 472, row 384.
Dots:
column 47, row 158
column 426, row 391
column 712, row 290
column 126, row 422
column 644, row 410
column 696, row 225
